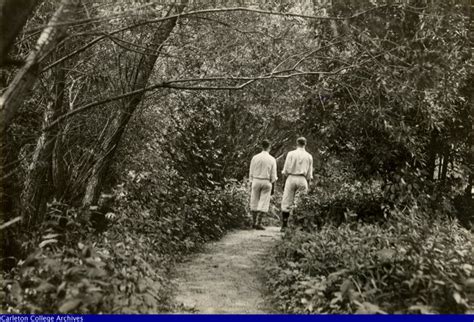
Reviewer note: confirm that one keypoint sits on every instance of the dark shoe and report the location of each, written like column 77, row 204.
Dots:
column 259, row 227
column 254, row 218
column 284, row 219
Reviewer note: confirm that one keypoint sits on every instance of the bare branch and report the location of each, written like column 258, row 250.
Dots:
column 170, row 84
column 315, row 51
column 196, row 12
column 246, row 81
column 10, row 222
column 214, row 10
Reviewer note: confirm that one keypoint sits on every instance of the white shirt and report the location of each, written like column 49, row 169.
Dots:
column 263, row 166
column 299, row 162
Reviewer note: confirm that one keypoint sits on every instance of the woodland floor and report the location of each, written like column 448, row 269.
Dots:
column 226, row 277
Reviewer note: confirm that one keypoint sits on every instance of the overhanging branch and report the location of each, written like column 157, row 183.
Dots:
column 244, row 82
column 197, row 12
column 216, row 10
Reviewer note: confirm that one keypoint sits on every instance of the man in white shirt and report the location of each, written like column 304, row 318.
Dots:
column 263, row 173
column 299, row 171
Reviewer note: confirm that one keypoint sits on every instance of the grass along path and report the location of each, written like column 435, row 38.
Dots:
column 225, row 277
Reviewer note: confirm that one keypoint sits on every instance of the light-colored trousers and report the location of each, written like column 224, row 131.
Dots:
column 293, row 185
column 261, row 194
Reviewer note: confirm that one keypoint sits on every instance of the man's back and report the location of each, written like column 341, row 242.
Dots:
column 299, row 169
column 299, row 162
column 263, row 166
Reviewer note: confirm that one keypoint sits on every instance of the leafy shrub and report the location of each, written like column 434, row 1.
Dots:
column 351, row 202
column 123, row 267
column 73, row 269
column 176, row 212
column 405, row 266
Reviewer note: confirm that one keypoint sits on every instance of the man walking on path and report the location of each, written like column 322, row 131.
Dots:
column 263, row 173
column 299, row 171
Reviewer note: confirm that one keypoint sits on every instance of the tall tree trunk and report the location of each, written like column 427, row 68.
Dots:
column 143, row 70
column 60, row 168
column 24, row 80
column 26, row 77
column 39, row 187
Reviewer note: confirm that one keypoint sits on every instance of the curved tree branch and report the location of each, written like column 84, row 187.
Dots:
column 196, row 12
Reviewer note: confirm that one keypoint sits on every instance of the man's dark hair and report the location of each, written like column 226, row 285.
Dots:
column 301, row 141
column 265, row 144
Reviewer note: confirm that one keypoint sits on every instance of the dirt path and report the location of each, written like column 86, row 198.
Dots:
column 225, row 277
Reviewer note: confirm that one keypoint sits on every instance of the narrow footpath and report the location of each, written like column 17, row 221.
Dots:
column 226, row 276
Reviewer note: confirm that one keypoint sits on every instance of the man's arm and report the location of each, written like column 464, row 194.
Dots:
column 273, row 176
column 309, row 174
column 287, row 163
column 251, row 170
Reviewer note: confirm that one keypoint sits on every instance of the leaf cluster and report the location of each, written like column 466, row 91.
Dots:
column 397, row 268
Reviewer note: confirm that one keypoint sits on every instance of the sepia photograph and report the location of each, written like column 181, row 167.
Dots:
column 236, row 157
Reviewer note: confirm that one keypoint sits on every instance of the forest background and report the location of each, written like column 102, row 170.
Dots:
column 127, row 129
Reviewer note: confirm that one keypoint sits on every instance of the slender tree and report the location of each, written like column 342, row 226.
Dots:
column 19, row 88
column 140, row 76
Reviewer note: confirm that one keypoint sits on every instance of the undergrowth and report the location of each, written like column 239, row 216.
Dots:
column 117, row 260
column 355, row 251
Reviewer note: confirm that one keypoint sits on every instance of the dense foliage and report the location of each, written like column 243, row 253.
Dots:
column 402, row 268
column 127, row 127
column 359, row 246
column 118, row 263
column 381, row 231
